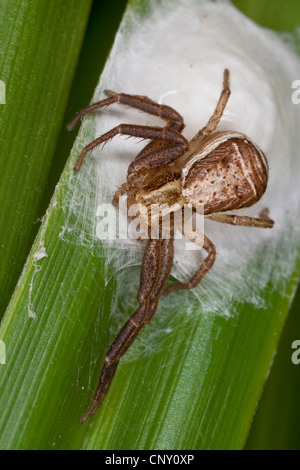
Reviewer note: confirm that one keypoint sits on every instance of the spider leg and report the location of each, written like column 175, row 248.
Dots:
column 201, row 240
column 172, row 117
column 156, row 268
column 144, row 132
column 157, row 156
column 216, row 117
column 120, row 192
column 262, row 222
column 167, row 113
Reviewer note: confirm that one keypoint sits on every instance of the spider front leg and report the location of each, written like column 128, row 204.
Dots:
column 170, row 115
column 179, row 142
column 204, row 242
column 156, row 268
column 218, row 113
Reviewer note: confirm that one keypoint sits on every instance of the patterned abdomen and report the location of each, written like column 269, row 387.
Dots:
column 231, row 172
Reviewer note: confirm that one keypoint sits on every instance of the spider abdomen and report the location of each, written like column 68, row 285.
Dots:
column 230, row 172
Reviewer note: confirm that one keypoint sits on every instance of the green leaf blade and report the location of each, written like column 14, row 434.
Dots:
column 275, row 425
column 193, row 378
column 39, row 48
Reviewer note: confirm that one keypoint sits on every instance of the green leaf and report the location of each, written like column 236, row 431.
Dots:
column 39, row 47
column 102, row 26
column 276, row 14
column 276, row 422
column 193, row 378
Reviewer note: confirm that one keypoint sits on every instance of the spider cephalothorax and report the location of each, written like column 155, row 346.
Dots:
column 220, row 171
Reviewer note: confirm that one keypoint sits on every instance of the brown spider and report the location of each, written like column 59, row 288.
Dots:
column 222, row 171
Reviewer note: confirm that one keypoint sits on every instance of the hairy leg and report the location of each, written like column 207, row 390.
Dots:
column 156, row 268
column 145, row 132
column 173, row 118
column 218, row 113
column 204, row 242
column 232, row 219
